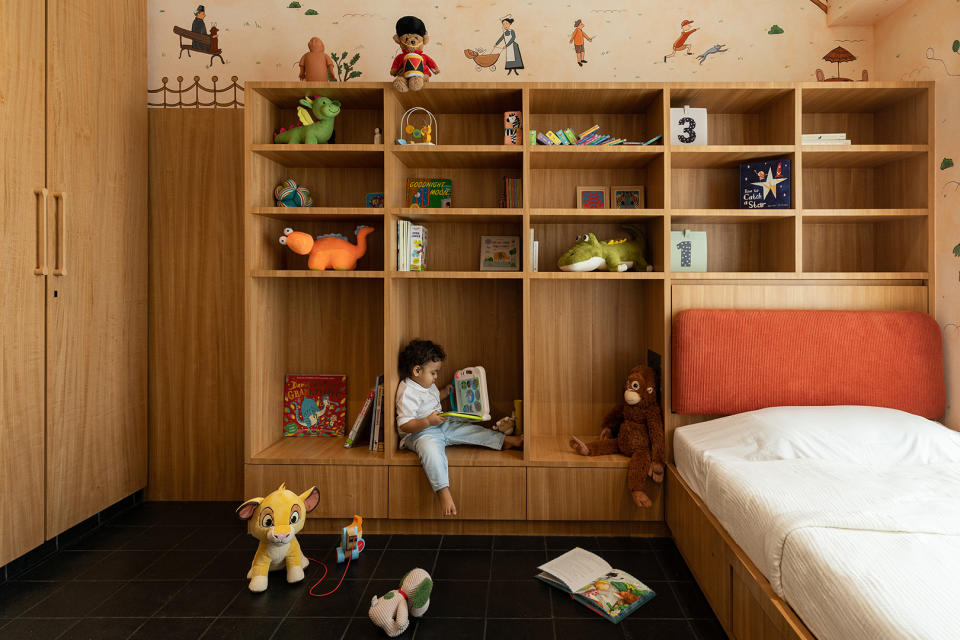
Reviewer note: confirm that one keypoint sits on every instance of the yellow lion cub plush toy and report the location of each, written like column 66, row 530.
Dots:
column 275, row 522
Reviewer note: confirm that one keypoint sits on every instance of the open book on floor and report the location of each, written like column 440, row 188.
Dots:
column 591, row 581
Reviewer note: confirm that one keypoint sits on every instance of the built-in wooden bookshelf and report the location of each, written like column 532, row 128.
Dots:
column 861, row 216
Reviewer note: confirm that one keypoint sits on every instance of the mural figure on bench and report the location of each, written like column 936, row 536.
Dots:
column 200, row 27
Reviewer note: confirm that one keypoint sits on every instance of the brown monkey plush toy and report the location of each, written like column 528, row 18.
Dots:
column 635, row 429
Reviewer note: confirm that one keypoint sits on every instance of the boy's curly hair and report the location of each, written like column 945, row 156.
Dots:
column 418, row 353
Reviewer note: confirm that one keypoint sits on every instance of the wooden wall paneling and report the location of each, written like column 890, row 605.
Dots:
column 557, row 188
column 345, row 490
column 586, row 494
column 480, row 493
column 196, row 294
column 905, row 121
column 24, row 232
column 931, row 197
column 526, row 361
column 97, row 308
column 899, row 184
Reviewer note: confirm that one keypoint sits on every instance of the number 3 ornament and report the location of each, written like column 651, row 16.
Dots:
column 688, row 126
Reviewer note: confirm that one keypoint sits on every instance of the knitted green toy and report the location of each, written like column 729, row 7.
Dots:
column 591, row 254
column 392, row 611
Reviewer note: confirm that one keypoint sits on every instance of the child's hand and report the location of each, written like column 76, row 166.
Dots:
column 435, row 419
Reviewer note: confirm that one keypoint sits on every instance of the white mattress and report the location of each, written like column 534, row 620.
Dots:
column 852, row 513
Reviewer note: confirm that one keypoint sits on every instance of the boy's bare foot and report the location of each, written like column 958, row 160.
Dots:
column 447, row 507
column 513, row 442
column 577, row 445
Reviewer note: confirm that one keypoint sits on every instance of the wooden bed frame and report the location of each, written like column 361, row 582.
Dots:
column 740, row 595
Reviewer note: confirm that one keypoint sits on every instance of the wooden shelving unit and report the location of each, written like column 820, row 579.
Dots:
column 861, row 226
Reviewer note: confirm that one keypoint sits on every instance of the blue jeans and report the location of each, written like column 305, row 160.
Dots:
column 430, row 445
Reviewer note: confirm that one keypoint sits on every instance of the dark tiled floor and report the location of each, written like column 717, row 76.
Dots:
column 176, row 571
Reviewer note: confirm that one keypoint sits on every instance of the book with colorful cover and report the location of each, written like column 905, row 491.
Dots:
column 591, row 581
column 418, row 247
column 314, row 405
column 429, row 193
column 376, row 424
column 499, row 253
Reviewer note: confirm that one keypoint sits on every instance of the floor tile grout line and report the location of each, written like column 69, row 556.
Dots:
column 64, row 632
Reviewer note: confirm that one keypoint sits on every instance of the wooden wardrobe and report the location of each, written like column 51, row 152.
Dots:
column 73, row 263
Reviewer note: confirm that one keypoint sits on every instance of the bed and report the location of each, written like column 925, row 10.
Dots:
column 839, row 521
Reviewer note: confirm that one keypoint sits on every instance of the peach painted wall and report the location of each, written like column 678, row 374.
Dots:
column 264, row 39
column 919, row 41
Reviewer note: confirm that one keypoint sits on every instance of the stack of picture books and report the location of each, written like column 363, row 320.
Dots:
column 314, row 405
column 369, row 419
column 512, row 193
column 591, row 136
column 411, row 246
column 824, row 138
column 534, row 252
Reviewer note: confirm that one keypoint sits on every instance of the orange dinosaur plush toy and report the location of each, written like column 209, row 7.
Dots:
column 633, row 428
column 329, row 251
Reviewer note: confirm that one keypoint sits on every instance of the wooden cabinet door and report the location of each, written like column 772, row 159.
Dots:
column 97, row 290
column 21, row 286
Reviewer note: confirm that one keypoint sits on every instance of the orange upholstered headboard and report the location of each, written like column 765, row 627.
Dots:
column 728, row 361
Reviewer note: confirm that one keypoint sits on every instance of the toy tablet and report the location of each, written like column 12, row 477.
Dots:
column 462, row 416
column 469, row 395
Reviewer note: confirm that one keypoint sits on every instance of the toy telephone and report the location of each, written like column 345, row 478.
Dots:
column 351, row 540
column 468, row 399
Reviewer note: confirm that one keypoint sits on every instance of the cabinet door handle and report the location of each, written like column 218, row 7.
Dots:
column 59, row 268
column 41, row 268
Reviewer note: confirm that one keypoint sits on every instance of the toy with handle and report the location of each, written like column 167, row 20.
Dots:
column 351, row 540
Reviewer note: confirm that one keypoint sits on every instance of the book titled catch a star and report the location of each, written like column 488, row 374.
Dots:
column 765, row 184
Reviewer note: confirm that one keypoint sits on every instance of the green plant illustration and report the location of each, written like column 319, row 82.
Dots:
column 311, row 12
column 345, row 69
column 946, row 163
column 293, row 5
column 775, row 30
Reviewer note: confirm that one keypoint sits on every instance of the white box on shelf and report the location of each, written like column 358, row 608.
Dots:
column 688, row 126
column 688, row 250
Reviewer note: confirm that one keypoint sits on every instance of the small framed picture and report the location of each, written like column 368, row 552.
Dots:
column 375, row 200
column 626, row 197
column 592, row 198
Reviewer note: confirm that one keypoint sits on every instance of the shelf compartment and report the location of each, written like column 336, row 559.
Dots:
column 465, row 116
column 819, row 156
column 711, row 180
column 268, row 255
column 609, row 157
column 857, row 215
column 592, row 215
column 557, row 188
column 724, row 156
column 742, row 116
column 292, row 214
column 455, row 247
column 307, row 273
column 459, row 156
column 322, row 155
column 329, row 325
column 868, row 115
column 554, row 450
column 597, row 275
column 599, row 328
column 852, row 245
column 472, row 188
column 412, row 497
column 749, row 247
column 273, row 107
column 634, row 113
column 317, row 451
column 871, row 180
column 458, row 275
column 557, row 238
column 477, row 325
column 330, row 187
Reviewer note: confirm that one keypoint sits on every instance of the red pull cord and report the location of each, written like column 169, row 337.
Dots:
column 334, row 590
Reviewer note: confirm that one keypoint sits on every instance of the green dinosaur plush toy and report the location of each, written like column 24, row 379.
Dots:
column 590, row 254
column 310, row 131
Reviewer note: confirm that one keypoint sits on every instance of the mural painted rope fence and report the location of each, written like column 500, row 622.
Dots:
column 193, row 91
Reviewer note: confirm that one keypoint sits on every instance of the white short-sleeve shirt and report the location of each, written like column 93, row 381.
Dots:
column 414, row 402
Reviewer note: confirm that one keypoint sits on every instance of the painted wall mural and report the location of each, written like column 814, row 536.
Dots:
column 494, row 41
column 919, row 41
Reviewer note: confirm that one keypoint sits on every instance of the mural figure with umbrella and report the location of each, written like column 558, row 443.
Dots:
column 838, row 55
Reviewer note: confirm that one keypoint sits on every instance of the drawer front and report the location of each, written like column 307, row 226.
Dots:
column 480, row 493
column 555, row 493
column 344, row 490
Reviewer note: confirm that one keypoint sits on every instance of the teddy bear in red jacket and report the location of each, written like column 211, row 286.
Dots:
column 412, row 67
column 635, row 429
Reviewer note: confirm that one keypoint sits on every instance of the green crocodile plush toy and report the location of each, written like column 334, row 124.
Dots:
column 590, row 254
column 309, row 131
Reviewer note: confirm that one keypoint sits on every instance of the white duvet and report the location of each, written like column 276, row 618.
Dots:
column 852, row 513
